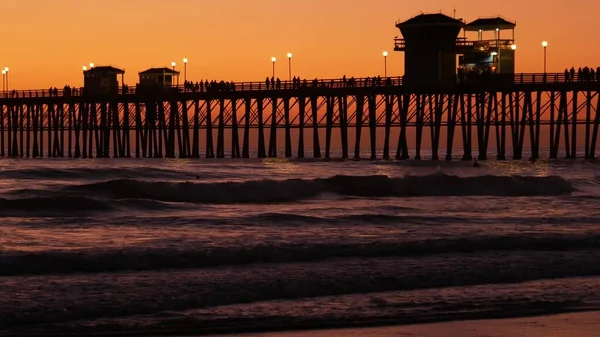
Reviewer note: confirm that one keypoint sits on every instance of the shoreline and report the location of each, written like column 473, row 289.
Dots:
column 426, row 327
column 581, row 323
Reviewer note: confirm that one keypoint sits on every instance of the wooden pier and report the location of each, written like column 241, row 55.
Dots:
column 183, row 121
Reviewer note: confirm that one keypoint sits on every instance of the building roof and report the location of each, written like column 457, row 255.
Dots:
column 434, row 19
column 163, row 70
column 490, row 24
column 105, row 70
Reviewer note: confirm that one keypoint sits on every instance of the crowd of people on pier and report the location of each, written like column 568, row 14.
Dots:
column 585, row 74
column 273, row 83
column 208, row 86
column 475, row 74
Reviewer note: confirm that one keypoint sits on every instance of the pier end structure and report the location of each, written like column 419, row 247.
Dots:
column 429, row 44
column 435, row 53
column 102, row 80
column 494, row 54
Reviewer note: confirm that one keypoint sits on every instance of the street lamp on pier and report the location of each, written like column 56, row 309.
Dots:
column 91, row 65
column 3, row 80
column 273, row 59
column 289, row 55
column 385, row 54
column 545, row 45
column 185, row 61
column 6, row 72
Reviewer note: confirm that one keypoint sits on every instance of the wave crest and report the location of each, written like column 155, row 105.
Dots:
column 265, row 191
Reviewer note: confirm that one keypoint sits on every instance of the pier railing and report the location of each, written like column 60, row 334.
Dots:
column 517, row 79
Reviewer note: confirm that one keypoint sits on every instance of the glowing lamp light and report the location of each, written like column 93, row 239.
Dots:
column 91, row 65
column 289, row 56
column 173, row 63
column 185, row 60
column 3, row 72
column 6, row 69
column 273, row 59
column 513, row 47
column 545, row 44
column 494, row 53
column 385, row 54
column 84, row 68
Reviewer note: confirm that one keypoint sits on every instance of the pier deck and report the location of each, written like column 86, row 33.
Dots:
column 180, row 121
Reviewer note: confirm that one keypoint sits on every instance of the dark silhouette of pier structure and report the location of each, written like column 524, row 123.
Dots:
column 455, row 90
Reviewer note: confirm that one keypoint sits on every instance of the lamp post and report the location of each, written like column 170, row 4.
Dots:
column 273, row 59
column 385, row 54
column 185, row 61
column 173, row 64
column 3, row 80
column 6, row 71
column 545, row 45
column 289, row 55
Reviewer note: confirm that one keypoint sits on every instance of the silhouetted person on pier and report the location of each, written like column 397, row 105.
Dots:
column 278, row 83
column 572, row 71
column 566, row 75
column 267, row 82
column 579, row 75
column 272, row 82
column 592, row 74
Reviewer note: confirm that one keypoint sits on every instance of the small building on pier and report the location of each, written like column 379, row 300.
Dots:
column 493, row 53
column 102, row 80
column 158, row 77
column 429, row 44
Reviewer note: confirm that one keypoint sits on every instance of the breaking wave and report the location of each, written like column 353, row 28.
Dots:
column 266, row 191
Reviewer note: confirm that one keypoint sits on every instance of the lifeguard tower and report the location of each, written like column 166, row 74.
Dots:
column 429, row 44
column 492, row 52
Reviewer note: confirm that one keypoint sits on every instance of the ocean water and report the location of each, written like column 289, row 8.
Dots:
column 156, row 246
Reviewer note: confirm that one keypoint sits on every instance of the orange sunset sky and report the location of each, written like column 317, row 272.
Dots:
column 45, row 43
